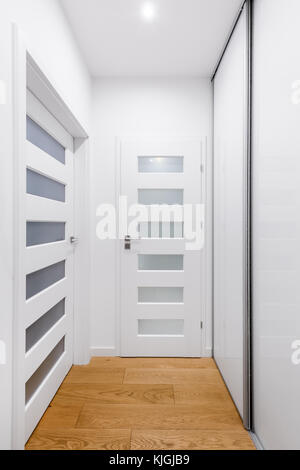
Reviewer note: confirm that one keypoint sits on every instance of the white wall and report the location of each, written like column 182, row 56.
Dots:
column 6, row 239
column 276, row 222
column 230, row 89
column 135, row 107
column 49, row 37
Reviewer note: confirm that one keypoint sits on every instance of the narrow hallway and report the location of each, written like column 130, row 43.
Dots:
column 138, row 404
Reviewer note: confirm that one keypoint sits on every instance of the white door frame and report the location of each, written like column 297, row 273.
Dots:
column 29, row 73
column 206, row 332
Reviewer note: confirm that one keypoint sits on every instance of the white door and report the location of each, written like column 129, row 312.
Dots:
column 45, row 275
column 230, row 187
column 161, row 275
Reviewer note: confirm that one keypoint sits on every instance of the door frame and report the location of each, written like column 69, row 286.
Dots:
column 29, row 72
column 206, row 335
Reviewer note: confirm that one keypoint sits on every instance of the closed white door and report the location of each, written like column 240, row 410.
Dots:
column 45, row 277
column 230, row 214
column 161, row 274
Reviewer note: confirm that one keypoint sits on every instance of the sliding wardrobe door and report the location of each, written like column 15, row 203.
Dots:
column 230, row 214
column 276, row 223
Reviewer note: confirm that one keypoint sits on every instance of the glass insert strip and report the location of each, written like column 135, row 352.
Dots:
column 160, row 262
column 44, row 278
column 44, row 141
column 160, row 196
column 40, row 233
column 40, row 375
column 160, row 164
column 160, row 294
column 39, row 185
column 161, row 229
column 161, row 327
column 37, row 330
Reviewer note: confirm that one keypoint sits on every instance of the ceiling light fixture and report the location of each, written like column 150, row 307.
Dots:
column 148, row 11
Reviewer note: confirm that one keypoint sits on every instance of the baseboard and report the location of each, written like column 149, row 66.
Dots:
column 103, row 352
column 112, row 352
column 207, row 352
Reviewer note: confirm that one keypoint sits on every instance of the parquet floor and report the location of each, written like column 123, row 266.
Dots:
column 142, row 404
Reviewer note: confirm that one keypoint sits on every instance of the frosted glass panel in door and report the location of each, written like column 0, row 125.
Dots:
column 40, row 280
column 161, row 164
column 39, row 137
column 161, row 229
column 42, row 186
column 161, row 327
column 40, row 233
column 161, row 196
column 160, row 294
column 38, row 329
column 160, row 262
column 44, row 370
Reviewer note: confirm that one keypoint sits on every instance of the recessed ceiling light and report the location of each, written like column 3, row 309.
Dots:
column 148, row 11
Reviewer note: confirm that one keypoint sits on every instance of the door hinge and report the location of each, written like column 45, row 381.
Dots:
column 202, row 168
column 201, row 325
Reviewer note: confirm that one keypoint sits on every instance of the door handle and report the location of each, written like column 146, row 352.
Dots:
column 74, row 240
column 127, row 244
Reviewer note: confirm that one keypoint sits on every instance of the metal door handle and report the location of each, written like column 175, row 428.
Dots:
column 127, row 244
column 74, row 240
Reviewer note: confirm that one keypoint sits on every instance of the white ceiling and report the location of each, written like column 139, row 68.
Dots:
column 185, row 39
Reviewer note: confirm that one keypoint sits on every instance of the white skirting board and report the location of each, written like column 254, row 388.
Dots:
column 207, row 352
column 104, row 352
column 112, row 352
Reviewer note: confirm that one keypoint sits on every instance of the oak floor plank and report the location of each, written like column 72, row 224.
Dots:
column 153, row 363
column 115, row 394
column 86, row 374
column 172, row 376
column 201, row 393
column 190, row 440
column 61, row 417
column 95, row 416
column 74, row 439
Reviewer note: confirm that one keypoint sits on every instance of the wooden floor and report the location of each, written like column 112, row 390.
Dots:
column 142, row 404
